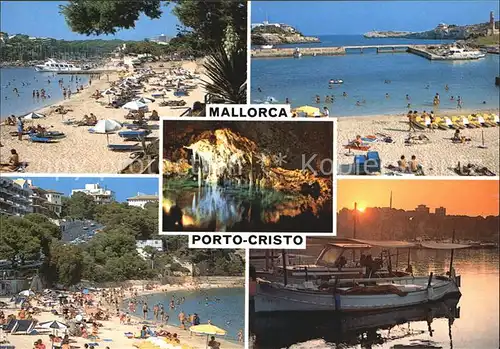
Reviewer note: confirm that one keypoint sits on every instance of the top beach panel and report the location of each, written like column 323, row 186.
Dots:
column 445, row 74
column 81, row 96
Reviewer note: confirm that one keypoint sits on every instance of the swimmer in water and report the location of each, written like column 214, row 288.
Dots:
column 407, row 97
column 387, row 95
column 408, row 106
column 259, row 89
column 427, row 86
column 446, row 87
column 452, row 98
column 358, row 103
column 344, row 94
column 318, row 99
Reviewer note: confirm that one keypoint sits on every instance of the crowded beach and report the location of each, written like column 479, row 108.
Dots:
column 420, row 143
column 101, row 318
column 109, row 125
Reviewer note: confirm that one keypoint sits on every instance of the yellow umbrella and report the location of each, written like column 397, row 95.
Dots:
column 207, row 329
column 308, row 110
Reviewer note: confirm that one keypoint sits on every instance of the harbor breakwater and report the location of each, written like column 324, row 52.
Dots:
column 419, row 50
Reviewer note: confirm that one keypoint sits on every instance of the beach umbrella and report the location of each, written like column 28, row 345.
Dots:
column 135, row 105
column 208, row 329
column 308, row 110
column 54, row 324
column 145, row 100
column 27, row 293
column 33, row 116
column 106, row 127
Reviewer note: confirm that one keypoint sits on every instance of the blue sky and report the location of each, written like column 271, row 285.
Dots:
column 123, row 187
column 42, row 19
column 358, row 17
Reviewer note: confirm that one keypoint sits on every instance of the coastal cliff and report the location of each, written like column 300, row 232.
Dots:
column 442, row 31
column 278, row 35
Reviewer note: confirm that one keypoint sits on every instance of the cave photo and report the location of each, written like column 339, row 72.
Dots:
column 248, row 176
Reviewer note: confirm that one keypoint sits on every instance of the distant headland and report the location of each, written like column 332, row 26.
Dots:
column 445, row 31
column 266, row 33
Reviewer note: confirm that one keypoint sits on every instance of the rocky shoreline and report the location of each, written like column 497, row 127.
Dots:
column 280, row 39
column 279, row 35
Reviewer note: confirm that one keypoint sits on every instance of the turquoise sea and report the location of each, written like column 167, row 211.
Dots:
column 25, row 80
column 364, row 75
column 224, row 307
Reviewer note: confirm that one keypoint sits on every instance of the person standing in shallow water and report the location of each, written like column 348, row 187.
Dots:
column 145, row 310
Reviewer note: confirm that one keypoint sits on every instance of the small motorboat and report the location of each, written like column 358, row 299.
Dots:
column 336, row 81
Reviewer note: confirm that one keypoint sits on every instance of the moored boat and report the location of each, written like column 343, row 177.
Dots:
column 54, row 66
column 375, row 288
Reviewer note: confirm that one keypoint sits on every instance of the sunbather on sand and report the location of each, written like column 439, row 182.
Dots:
column 10, row 121
column 93, row 119
column 357, row 142
column 402, row 164
column 415, row 167
column 154, row 116
column 458, row 138
column 13, row 163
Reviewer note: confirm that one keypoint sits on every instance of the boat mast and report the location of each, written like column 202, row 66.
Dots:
column 452, row 251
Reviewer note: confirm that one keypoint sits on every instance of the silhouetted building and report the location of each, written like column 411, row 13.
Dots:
column 422, row 209
column 440, row 211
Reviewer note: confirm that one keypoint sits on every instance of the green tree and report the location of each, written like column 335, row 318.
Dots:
column 47, row 233
column 17, row 244
column 67, row 260
column 227, row 81
column 203, row 21
column 79, row 206
column 105, row 17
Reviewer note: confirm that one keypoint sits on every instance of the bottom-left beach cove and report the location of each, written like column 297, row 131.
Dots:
column 89, row 319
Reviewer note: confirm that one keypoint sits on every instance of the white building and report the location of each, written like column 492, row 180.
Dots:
column 14, row 198
column 54, row 201
column 99, row 194
column 140, row 245
column 161, row 39
column 140, row 200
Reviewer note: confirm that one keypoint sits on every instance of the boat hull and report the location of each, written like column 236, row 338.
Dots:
column 269, row 298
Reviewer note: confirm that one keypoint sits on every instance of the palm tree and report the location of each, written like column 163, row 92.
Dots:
column 227, row 77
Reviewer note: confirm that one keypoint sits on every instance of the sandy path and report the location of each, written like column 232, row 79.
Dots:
column 438, row 157
column 80, row 151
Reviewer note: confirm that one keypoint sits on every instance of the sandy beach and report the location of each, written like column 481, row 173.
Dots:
column 81, row 151
column 112, row 331
column 438, row 156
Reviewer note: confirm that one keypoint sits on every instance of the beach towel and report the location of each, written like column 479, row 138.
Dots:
column 354, row 147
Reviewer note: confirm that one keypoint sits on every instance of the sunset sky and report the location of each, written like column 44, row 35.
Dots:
column 471, row 197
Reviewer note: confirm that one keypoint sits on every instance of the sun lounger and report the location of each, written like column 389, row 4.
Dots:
column 141, row 127
column 37, row 139
column 134, row 135
column 23, row 327
column 9, row 326
column 124, row 147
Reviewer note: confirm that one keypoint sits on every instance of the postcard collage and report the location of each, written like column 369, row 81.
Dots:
column 134, row 216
